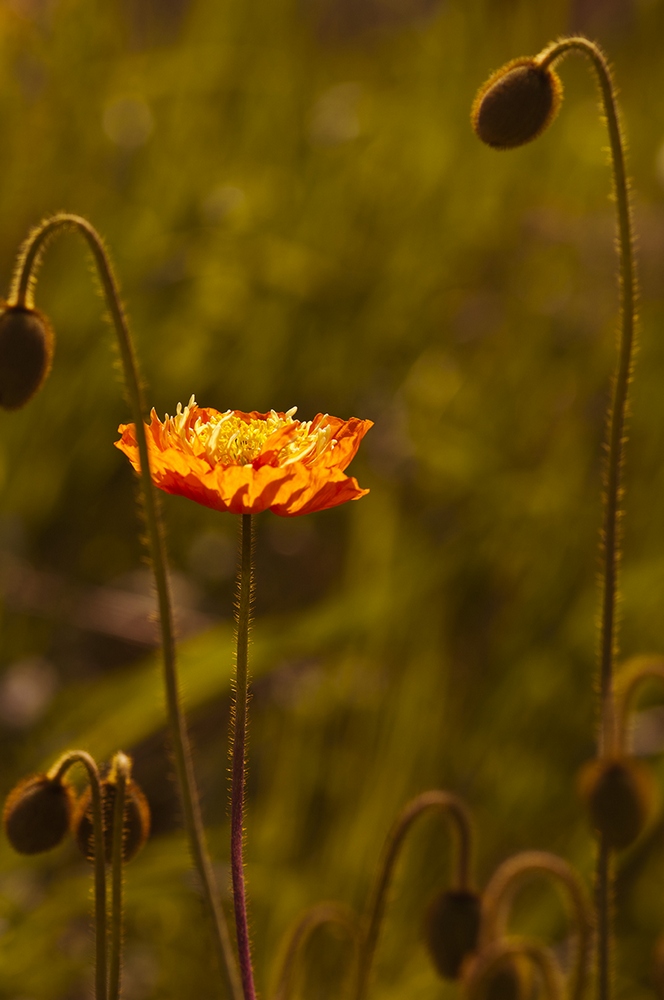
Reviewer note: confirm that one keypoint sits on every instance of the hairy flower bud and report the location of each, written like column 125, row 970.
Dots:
column 26, row 353
column 619, row 794
column 37, row 813
column 136, row 821
column 451, row 928
column 516, row 104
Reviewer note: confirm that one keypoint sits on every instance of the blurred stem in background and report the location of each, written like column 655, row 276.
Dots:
column 21, row 296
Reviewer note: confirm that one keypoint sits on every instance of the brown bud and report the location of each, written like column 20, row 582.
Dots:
column 516, row 104
column 136, row 821
column 37, row 813
column 26, row 353
column 512, row 980
column 451, row 929
column 619, row 794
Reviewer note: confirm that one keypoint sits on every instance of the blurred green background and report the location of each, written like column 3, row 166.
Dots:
column 300, row 214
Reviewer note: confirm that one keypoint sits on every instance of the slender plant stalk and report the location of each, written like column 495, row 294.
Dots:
column 611, row 533
column 122, row 769
column 58, row 770
column 238, row 754
column 320, row 915
column 507, row 878
column 22, row 295
column 499, row 953
column 454, row 809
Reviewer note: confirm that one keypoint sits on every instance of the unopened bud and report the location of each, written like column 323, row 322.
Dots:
column 136, row 821
column 452, row 927
column 26, row 353
column 516, row 104
column 513, row 980
column 37, row 813
column 619, row 795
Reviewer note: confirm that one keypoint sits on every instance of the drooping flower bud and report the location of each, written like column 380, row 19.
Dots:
column 37, row 814
column 452, row 927
column 136, row 821
column 513, row 980
column 619, row 795
column 516, row 104
column 26, row 353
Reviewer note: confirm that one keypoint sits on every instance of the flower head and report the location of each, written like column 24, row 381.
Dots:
column 248, row 462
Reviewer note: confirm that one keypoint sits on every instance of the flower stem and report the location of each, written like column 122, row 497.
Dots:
column 122, row 769
column 56, row 772
column 22, row 295
column 611, row 532
column 456, row 812
column 506, row 879
column 238, row 753
column 333, row 914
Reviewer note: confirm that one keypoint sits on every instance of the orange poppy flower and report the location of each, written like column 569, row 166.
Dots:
column 248, row 462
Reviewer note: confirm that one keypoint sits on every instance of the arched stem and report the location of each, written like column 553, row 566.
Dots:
column 611, row 535
column 636, row 673
column 498, row 954
column 457, row 814
column 238, row 753
column 22, row 295
column 611, row 532
column 321, row 915
column 57, row 772
column 504, row 883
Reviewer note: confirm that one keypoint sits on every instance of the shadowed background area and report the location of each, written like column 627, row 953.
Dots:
column 299, row 214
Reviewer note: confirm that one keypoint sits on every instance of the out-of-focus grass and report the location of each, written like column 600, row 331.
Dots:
column 302, row 215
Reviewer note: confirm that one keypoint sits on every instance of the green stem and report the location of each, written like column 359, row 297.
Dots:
column 456, row 812
column 611, row 534
column 499, row 954
column 21, row 295
column 320, row 915
column 238, row 755
column 506, row 880
column 122, row 772
column 58, row 770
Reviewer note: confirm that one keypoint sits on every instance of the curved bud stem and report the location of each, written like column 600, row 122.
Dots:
column 611, row 536
column 611, row 532
column 507, row 879
column 637, row 672
column 498, row 954
column 22, row 295
column 121, row 771
column 57, row 772
column 321, row 915
column 457, row 814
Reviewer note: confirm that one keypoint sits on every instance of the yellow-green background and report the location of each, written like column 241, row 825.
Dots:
column 300, row 214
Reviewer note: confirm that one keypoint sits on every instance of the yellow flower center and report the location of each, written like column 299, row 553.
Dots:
column 227, row 439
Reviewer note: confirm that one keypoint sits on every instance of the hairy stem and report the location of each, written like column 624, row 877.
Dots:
column 238, row 754
column 22, row 295
column 611, row 531
column 122, row 770
column 58, row 770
